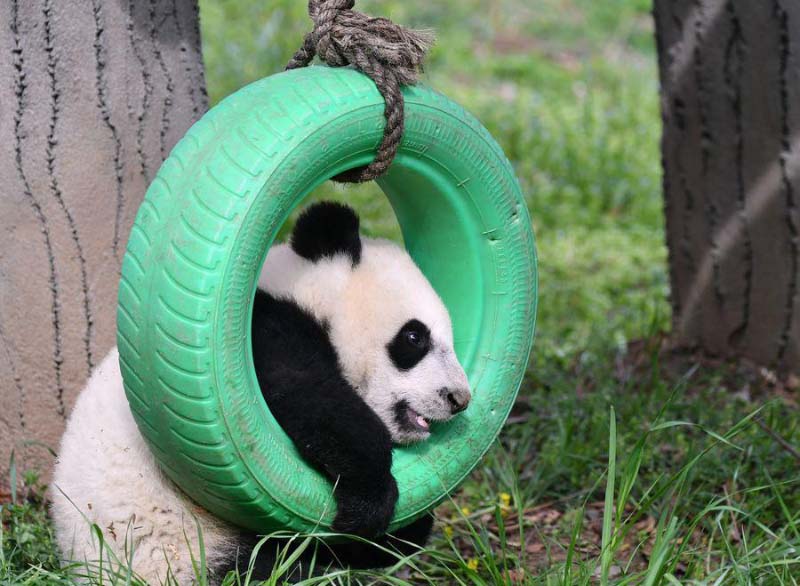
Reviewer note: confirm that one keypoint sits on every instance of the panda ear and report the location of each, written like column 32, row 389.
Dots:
column 326, row 229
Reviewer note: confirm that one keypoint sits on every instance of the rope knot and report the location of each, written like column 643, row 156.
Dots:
column 389, row 54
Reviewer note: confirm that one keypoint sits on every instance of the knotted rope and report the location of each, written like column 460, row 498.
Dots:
column 389, row 54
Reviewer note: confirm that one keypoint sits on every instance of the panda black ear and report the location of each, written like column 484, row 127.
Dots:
column 326, row 229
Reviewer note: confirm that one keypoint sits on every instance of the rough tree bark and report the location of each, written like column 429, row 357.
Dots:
column 730, row 78
column 93, row 95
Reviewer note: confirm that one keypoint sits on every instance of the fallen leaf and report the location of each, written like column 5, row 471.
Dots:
column 516, row 576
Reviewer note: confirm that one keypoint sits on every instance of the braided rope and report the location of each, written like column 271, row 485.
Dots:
column 389, row 54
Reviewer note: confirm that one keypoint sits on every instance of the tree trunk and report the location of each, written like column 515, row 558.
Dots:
column 730, row 79
column 93, row 95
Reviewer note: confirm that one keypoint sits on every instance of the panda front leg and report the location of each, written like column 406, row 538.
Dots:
column 335, row 431
column 330, row 424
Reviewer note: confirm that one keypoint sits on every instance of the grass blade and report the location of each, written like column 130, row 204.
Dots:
column 609, row 517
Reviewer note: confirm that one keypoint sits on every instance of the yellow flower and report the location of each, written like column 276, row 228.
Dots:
column 505, row 498
column 466, row 511
column 472, row 564
column 448, row 530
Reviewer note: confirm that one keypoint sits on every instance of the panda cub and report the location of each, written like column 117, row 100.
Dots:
column 353, row 351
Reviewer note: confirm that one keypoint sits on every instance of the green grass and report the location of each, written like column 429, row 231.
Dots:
column 622, row 462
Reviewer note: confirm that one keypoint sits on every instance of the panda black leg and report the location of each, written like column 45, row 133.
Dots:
column 330, row 436
column 266, row 559
column 319, row 557
column 331, row 426
column 401, row 543
column 239, row 560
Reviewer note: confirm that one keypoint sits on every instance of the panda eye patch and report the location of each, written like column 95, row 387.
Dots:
column 410, row 345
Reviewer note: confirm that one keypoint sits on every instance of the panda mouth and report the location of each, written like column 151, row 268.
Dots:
column 417, row 420
column 408, row 419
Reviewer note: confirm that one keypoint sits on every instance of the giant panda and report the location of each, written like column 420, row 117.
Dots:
column 353, row 351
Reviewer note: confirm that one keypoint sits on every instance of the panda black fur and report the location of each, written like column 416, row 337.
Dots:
column 353, row 351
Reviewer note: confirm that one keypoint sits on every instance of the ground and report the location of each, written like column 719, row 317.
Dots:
column 625, row 461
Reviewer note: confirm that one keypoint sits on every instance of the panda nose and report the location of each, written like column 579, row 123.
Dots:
column 458, row 399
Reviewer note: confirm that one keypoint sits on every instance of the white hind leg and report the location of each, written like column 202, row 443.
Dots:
column 106, row 476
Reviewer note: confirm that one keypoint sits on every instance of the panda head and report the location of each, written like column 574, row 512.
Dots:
column 391, row 331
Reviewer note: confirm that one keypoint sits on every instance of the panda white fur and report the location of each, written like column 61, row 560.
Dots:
column 353, row 351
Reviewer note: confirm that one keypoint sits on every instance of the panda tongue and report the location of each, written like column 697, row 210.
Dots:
column 417, row 419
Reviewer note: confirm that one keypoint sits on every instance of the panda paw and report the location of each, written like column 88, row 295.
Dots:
column 366, row 514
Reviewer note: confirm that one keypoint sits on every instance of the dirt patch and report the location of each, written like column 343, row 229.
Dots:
column 739, row 376
column 547, row 534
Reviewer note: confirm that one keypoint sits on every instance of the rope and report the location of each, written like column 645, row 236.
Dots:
column 389, row 54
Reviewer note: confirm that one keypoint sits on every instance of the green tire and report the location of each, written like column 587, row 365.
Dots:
column 197, row 246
